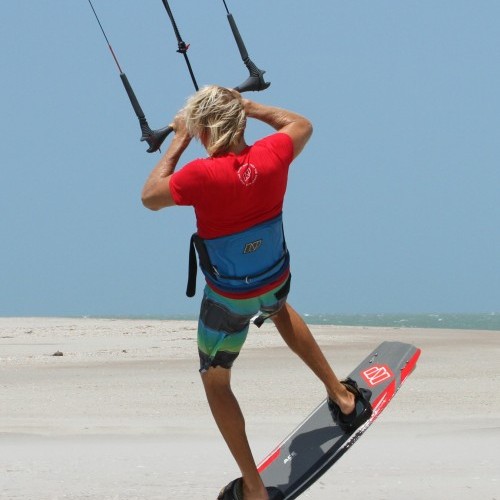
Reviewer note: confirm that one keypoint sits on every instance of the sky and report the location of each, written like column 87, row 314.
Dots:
column 393, row 207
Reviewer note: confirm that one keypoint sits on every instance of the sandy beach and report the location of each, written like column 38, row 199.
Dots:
column 121, row 414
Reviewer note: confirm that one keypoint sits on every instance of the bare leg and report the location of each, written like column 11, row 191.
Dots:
column 231, row 423
column 299, row 338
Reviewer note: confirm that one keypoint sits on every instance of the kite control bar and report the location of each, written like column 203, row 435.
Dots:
column 155, row 138
column 255, row 81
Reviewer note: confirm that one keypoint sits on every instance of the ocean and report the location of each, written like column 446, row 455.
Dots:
column 485, row 321
column 471, row 321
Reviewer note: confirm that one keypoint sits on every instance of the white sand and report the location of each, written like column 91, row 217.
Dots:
column 122, row 414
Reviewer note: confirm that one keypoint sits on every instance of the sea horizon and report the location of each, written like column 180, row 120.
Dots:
column 462, row 321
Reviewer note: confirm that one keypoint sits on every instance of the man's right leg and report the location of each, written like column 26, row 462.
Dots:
column 299, row 338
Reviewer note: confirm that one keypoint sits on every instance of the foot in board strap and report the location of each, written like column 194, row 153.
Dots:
column 234, row 491
column 362, row 410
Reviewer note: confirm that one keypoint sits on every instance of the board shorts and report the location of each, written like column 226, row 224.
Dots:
column 224, row 322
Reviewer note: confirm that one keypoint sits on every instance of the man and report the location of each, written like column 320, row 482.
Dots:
column 237, row 193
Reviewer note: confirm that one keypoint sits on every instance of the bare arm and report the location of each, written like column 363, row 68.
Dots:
column 296, row 126
column 156, row 191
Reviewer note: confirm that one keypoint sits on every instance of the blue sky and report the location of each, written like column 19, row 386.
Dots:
column 392, row 207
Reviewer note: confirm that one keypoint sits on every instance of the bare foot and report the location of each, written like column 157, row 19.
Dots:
column 255, row 493
column 345, row 400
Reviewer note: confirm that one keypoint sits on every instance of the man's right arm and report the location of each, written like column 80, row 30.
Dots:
column 294, row 125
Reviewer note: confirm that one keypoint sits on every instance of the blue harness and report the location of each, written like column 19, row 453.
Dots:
column 240, row 262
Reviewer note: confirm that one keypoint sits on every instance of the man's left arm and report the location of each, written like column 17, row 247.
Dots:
column 156, row 192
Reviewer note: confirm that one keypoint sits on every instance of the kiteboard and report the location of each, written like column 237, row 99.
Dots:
column 316, row 444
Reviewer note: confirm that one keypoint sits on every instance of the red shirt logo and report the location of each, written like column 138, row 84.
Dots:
column 247, row 174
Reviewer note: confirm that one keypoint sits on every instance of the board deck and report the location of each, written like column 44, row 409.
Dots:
column 313, row 447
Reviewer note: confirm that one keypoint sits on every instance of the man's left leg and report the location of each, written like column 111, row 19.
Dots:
column 231, row 423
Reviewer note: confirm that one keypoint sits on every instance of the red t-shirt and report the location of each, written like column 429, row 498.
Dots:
column 231, row 193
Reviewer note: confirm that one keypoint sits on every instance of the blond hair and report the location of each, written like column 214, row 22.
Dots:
column 216, row 116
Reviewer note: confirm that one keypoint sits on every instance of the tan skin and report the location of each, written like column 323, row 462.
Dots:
column 217, row 381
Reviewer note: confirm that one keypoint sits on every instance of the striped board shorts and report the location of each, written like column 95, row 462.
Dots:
column 223, row 323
